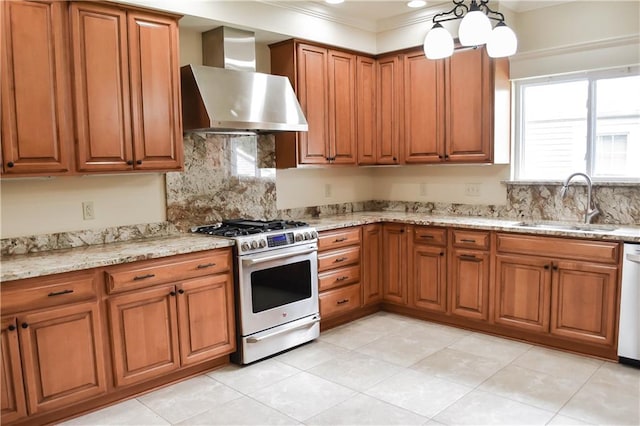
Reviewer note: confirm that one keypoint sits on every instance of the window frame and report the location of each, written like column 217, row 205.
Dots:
column 518, row 86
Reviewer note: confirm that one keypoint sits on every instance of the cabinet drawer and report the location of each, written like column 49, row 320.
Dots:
column 435, row 236
column 338, row 301
column 338, row 258
column 340, row 238
column 42, row 293
column 339, row 277
column 565, row 248
column 149, row 273
column 470, row 239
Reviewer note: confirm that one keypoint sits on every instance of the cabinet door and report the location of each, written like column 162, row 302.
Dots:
column 394, row 279
column 11, row 387
column 155, row 91
column 423, row 109
column 584, row 302
column 372, row 259
column 469, row 98
column 144, row 334
column 428, row 280
column 37, row 124
column 469, row 275
column 523, row 292
column 341, row 68
column 366, row 82
column 313, row 96
column 62, row 356
column 206, row 318
column 103, row 104
column 389, row 110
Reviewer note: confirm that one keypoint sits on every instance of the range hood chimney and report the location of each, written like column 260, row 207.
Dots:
column 226, row 95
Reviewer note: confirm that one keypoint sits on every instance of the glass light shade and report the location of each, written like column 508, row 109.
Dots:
column 438, row 43
column 502, row 41
column 475, row 29
column 417, row 3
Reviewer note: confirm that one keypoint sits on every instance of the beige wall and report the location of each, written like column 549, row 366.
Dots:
column 42, row 206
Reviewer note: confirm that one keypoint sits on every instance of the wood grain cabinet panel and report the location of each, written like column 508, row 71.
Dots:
column 372, row 259
column 469, row 283
column 523, row 292
column 155, row 94
column 144, row 334
column 206, row 322
column 341, row 69
column 424, row 111
column 428, row 281
column 37, row 114
column 583, row 302
column 389, row 111
column 14, row 405
column 366, row 97
column 62, row 355
column 101, row 67
column 394, row 278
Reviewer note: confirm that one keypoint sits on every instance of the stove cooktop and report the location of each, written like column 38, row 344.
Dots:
column 241, row 227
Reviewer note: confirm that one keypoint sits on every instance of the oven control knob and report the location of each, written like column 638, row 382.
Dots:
column 298, row 237
column 314, row 234
column 262, row 243
column 254, row 244
column 307, row 236
column 245, row 246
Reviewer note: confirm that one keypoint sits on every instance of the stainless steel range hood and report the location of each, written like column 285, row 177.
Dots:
column 225, row 100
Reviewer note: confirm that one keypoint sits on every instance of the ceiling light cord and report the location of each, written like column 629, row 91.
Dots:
column 475, row 30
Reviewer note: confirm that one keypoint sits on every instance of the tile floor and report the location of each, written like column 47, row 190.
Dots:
column 387, row 369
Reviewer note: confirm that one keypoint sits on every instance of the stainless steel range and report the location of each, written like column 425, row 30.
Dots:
column 276, row 284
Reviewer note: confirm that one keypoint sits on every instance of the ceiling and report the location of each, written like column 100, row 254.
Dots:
column 368, row 15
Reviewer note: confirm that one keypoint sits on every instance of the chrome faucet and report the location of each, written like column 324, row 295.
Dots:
column 590, row 212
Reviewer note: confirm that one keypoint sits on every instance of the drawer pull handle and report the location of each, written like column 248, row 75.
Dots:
column 468, row 257
column 430, row 237
column 339, row 240
column 342, row 278
column 467, row 240
column 342, row 302
column 206, row 265
column 60, row 293
column 340, row 259
column 143, row 277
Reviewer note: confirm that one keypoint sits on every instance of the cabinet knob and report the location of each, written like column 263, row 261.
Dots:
column 173, row 293
column 181, row 291
column 11, row 327
column 441, row 253
column 10, row 164
column 25, row 325
column 139, row 162
column 446, row 156
column 129, row 163
column 546, row 267
column 395, row 159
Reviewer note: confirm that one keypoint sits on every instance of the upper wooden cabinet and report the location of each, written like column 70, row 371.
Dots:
column 37, row 117
column 125, row 91
column 366, row 97
column 389, row 123
column 325, row 82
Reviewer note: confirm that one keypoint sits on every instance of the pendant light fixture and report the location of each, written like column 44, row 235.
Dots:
column 474, row 30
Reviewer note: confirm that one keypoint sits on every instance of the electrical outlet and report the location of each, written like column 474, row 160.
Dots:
column 327, row 190
column 472, row 189
column 88, row 212
column 423, row 189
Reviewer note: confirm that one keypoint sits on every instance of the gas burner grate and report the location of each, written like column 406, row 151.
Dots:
column 240, row 227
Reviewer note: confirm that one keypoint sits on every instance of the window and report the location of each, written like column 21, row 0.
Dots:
column 588, row 123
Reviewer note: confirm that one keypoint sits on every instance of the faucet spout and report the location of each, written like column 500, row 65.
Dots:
column 591, row 210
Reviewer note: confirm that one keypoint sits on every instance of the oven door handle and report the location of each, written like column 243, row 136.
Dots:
column 315, row 319
column 276, row 257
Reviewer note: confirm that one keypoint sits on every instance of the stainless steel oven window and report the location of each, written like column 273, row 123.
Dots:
column 280, row 285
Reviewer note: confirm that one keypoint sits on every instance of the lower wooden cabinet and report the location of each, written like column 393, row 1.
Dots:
column 394, row 269
column 14, row 405
column 428, row 270
column 372, row 259
column 469, row 283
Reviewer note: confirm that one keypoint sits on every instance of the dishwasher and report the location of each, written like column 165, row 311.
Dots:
column 629, row 327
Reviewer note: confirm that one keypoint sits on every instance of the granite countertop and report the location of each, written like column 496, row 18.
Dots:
column 30, row 265
column 74, row 259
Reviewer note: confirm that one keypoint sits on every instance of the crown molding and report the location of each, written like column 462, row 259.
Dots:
column 633, row 39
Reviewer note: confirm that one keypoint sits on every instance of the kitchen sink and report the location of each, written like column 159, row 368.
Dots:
column 585, row 227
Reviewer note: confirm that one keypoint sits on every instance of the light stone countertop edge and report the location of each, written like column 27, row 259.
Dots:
column 58, row 261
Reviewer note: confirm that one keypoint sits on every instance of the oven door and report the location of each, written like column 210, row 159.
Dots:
column 277, row 287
